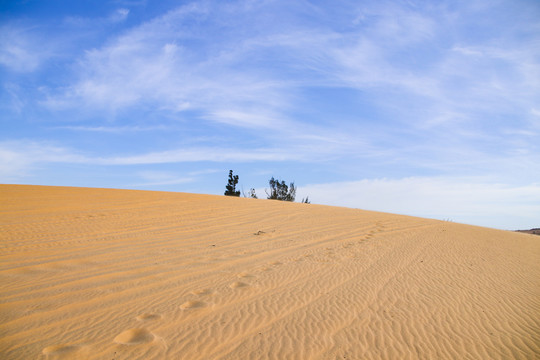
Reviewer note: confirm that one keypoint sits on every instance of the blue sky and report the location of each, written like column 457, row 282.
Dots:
column 425, row 108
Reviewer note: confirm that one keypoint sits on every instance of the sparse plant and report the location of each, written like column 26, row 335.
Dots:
column 306, row 200
column 231, row 185
column 252, row 194
column 280, row 191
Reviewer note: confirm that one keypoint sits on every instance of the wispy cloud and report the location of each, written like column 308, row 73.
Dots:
column 204, row 154
column 384, row 47
column 199, row 58
column 152, row 65
column 14, row 100
column 119, row 15
column 21, row 50
column 476, row 200
column 115, row 129
column 25, row 46
column 116, row 16
column 21, row 154
column 158, row 178
column 18, row 157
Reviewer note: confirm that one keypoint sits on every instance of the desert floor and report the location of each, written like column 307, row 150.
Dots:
column 119, row 274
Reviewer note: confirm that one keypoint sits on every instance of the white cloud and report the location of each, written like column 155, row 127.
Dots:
column 204, row 154
column 115, row 129
column 115, row 17
column 473, row 200
column 246, row 118
column 158, row 178
column 26, row 45
column 149, row 65
column 398, row 25
column 20, row 49
column 19, row 157
column 169, row 63
column 15, row 100
column 119, row 15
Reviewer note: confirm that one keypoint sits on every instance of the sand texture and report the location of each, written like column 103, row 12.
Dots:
column 118, row 274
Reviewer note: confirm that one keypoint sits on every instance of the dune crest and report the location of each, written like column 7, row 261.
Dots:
column 103, row 274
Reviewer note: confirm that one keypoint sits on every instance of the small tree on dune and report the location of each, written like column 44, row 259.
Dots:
column 280, row 191
column 231, row 185
column 252, row 194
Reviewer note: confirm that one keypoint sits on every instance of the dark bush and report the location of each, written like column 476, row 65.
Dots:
column 231, row 185
column 280, row 191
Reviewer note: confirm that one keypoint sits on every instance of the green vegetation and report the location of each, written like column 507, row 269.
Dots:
column 279, row 190
column 231, row 185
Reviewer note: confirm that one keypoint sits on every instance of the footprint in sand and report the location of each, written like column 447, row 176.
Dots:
column 134, row 337
column 245, row 275
column 276, row 263
column 238, row 284
column 202, row 292
column 192, row 304
column 148, row 316
column 60, row 349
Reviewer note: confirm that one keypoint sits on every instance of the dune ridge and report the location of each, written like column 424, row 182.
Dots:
column 123, row 274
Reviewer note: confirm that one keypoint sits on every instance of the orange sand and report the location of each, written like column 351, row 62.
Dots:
column 118, row 274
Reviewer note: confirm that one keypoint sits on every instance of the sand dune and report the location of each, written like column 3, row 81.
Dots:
column 118, row 274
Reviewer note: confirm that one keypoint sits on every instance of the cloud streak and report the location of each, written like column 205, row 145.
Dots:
column 475, row 200
column 18, row 155
column 20, row 50
column 383, row 48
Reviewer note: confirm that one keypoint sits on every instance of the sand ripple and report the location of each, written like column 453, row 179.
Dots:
column 153, row 275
